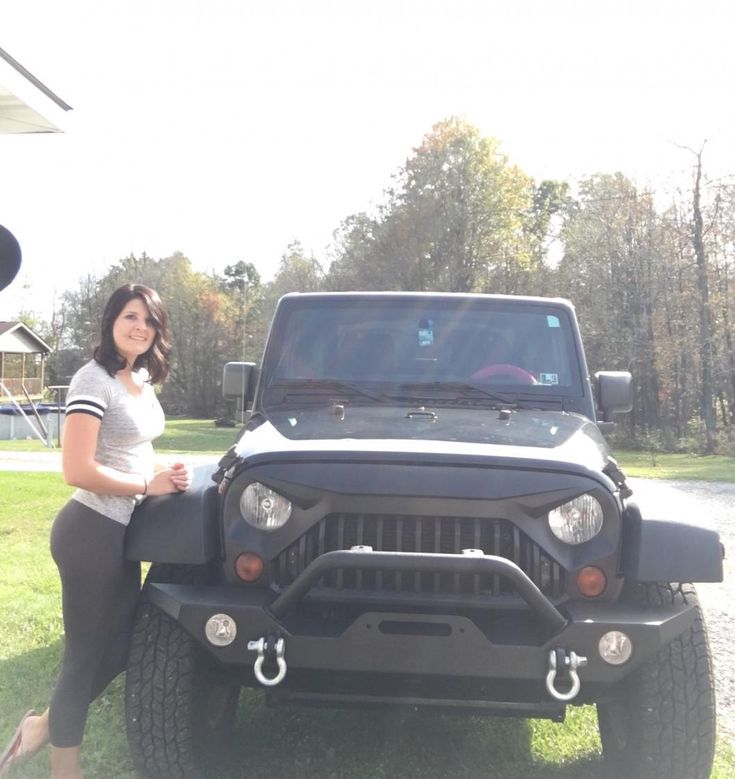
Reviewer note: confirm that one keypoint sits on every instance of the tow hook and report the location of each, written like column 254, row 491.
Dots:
column 560, row 660
column 266, row 649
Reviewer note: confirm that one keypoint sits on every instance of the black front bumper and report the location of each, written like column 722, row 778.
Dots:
column 423, row 644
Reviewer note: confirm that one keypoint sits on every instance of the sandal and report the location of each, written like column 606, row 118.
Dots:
column 13, row 750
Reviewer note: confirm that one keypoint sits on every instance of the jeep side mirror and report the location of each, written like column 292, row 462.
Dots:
column 239, row 380
column 614, row 393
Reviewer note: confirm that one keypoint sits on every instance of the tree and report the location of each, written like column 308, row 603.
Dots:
column 297, row 272
column 703, row 307
column 722, row 251
column 458, row 218
column 203, row 315
column 243, row 280
column 612, row 270
column 241, row 276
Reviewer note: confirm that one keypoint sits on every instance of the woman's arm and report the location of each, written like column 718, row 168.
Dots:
column 81, row 469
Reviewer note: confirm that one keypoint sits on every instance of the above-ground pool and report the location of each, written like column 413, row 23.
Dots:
column 13, row 426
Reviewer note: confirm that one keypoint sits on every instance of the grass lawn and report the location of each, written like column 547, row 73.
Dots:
column 196, row 435
column 180, row 435
column 22, row 445
column 200, row 435
column 282, row 743
column 653, row 465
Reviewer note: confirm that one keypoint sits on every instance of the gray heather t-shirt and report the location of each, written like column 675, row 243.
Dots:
column 128, row 425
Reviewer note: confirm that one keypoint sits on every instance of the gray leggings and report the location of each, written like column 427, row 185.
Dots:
column 99, row 591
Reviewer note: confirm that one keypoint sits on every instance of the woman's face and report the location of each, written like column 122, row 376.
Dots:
column 133, row 331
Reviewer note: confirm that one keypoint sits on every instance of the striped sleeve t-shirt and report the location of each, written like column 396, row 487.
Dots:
column 86, row 404
column 128, row 425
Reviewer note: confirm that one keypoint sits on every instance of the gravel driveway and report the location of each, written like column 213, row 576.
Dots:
column 712, row 503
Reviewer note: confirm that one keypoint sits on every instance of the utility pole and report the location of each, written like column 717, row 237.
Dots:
column 245, row 289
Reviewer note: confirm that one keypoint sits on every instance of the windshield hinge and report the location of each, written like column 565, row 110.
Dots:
column 615, row 472
column 223, row 466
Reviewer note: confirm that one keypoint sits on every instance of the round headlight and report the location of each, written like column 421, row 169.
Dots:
column 576, row 521
column 263, row 508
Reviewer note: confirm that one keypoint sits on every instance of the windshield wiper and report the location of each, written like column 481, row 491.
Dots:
column 462, row 389
column 319, row 385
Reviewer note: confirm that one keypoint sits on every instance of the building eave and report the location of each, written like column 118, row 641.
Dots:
column 27, row 105
column 17, row 338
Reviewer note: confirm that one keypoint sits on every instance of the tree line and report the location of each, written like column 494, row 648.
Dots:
column 651, row 279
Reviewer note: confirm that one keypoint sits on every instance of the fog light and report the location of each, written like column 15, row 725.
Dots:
column 591, row 581
column 615, row 647
column 220, row 630
column 249, row 567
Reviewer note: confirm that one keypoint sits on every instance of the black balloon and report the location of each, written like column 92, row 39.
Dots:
column 10, row 257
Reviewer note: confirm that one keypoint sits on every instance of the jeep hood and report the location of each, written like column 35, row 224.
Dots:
column 455, row 433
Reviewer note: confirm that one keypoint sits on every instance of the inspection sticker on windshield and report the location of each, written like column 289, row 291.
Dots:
column 426, row 332
column 548, row 378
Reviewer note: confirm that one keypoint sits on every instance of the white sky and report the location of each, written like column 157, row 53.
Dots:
column 224, row 129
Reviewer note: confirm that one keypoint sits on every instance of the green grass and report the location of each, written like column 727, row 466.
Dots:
column 200, row 435
column 180, row 435
column 654, row 465
column 23, row 445
column 282, row 743
column 196, row 435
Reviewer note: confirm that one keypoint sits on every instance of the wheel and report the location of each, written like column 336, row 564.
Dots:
column 660, row 722
column 503, row 372
column 179, row 706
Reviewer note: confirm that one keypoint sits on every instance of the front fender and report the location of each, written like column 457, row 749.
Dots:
column 666, row 550
column 180, row 528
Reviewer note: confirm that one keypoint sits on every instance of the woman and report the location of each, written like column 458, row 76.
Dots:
column 112, row 415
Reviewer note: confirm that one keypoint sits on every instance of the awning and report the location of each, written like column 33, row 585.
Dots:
column 26, row 104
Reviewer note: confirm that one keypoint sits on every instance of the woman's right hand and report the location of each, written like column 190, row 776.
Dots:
column 175, row 478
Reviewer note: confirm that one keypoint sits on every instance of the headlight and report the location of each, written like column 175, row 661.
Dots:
column 263, row 508
column 576, row 521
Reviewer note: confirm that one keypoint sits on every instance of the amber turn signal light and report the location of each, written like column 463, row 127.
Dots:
column 249, row 567
column 591, row 581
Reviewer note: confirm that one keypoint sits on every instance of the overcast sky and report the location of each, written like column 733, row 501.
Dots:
column 225, row 129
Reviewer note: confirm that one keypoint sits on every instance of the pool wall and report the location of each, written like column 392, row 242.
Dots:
column 13, row 427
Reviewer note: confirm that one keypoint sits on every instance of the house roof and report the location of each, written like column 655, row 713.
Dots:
column 27, row 105
column 17, row 338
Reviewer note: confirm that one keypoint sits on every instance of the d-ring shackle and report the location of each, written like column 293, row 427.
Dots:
column 572, row 661
column 260, row 646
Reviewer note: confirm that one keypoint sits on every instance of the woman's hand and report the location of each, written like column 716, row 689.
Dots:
column 181, row 476
column 173, row 478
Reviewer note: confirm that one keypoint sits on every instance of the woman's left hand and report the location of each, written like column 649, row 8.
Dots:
column 181, row 476
column 170, row 478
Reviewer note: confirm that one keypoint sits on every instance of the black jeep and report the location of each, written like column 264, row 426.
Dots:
column 421, row 509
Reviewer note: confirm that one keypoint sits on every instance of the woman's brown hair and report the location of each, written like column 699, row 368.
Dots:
column 156, row 359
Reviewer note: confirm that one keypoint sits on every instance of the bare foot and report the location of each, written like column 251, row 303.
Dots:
column 34, row 735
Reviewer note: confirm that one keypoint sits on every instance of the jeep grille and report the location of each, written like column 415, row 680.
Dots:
column 438, row 535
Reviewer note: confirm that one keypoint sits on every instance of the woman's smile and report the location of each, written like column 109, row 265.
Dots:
column 133, row 331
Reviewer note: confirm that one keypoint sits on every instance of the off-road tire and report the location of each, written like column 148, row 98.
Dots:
column 179, row 706
column 660, row 723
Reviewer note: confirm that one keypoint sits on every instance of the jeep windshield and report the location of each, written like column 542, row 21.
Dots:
column 410, row 348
